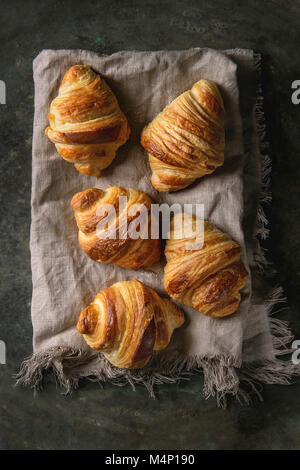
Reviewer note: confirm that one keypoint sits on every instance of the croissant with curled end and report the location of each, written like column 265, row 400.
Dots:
column 208, row 276
column 86, row 123
column 115, row 226
column 127, row 321
column 186, row 140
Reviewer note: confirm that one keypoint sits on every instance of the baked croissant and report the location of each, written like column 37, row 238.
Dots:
column 207, row 278
column 105, row 224
column 187, row 139
column 127, row 321
column 86, row 123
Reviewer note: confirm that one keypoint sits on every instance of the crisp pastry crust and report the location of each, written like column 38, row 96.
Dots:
column 112, row 242
column 207, row 278
column 86, row 123
column 187, row 139
column 127, row 321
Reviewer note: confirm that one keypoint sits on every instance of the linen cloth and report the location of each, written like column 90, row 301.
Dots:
column 65, row 280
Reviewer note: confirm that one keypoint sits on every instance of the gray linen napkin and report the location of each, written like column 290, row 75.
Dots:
column 231, row 351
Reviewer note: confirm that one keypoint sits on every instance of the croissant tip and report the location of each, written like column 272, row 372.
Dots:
column 178, row 313
column 81, row 327
column 75, row 71
column 85, row 199
column 87, row 169
column 74, row 202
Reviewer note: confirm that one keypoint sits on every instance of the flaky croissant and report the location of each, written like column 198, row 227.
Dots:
column 127, row 321
column 106, row 237
column 86, row 123
column 186, row 140
column 207, row 278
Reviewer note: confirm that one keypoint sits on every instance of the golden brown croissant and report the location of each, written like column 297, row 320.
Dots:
column 106, row 236
column 187, row 139
column 127, row 321
column 207, row 278
column 86, row 123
